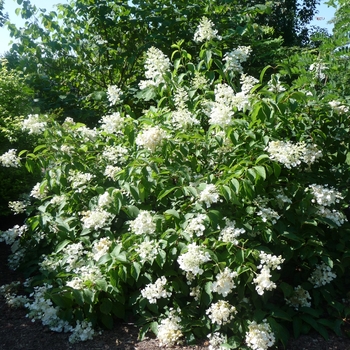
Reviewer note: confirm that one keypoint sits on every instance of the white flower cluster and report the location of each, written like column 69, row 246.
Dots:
column 156, row 290
column 81, row 332
column 205, row 31
column 338, row 107
column 260, row 336
column 318, row 69
column 221, row 312
column 42, row 309
column 224, row 282
column 9, row 292
column 191, row 260
column 79, row 180
column 230, row 232
column 322, row 275
column 324, row 195
column 268, row 262
column 113, row 94
column 12, row 234
column 33, row 124
column 85, row 274
column 38, row 191
column 143, row 224
column 199, row 81
column 147, row 250
column 105, row 200
column 299, row 298
column 196, row 225
column 111, row 171
column 96, row 219
column 235, row 58
column 18, row 207
column 336, row 216
column 72, row 257
column 209, row 195
column 87, row 133
column 182, row 117
column 10, row 159
column 291, row 155
column 100, row 247
column 195, row 292
column 169, row 330
column 268, row 214
column 216, row 340
column 282, row 199
column 112, row 123
column 157, row 64
column 151, row 137
column 247, row 83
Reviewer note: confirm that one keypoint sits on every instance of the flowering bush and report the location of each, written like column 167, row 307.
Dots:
column 216, row 213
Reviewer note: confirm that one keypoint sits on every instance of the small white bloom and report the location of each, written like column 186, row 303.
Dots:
column 230, row 232
column 221, row 312
column 209, row 195
column 96, row 219
column 156, row 290
column 224, row 282
column 205, row 31
column 34, row 124
column 299, row 298
column 322, row 275
column 169, row 330
column 143, row 224
column 10, row 159
column 113, row 94
column 260, row 336
column 112, row 123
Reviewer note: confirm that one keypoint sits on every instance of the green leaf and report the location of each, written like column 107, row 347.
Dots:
column 62, row 245
column 106, row 306
column 261, row 171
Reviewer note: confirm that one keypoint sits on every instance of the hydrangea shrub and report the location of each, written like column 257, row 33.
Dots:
column 218, row 212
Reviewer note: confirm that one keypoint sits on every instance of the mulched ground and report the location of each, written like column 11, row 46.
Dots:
column 18, row 332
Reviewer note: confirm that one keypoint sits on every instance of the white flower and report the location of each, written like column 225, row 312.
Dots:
column 33, row 124
column 338, row 107
column 169, row 330
column 260, row 336
column 268, row 214
column 205, row 31
column 318, row 68
column 79, row 180
column 191, row 260
column 336, row 216
column 157, row 64
column 299, row 298
column 114, row 154
column 11, row 234
column 113, row 94
column 150, row 138
column 322, row 275
column 224, row 282
column 236, row 57
column 81, row 332
column 18, row 207
column 209, row 195
column 155, row 291
column 143, row 224
column 230, row 233
column 273, row 262
column 324, row 195
column 105, row 200
column 112, row 123
column 247, row 83
column 183, row 118
column 10, row 159
column 196, row 225
column 263, row 281
column 221, row 312
column 112, row 171
column 96, row 219
column 100, row 248
column 147, row 250
column 216, row 340
column 275, row 84
column 38, row 191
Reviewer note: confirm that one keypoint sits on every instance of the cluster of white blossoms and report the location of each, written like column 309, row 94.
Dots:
column 112, row 123
column 224, row 282
column 235, row 58
column 205, row 31
column 9, row 236
column 84, row 275
column 18, row 207
column 38, row 191
column 196, row 292
column 338, row 107
column 96, row 219
column 216, row 340
column 230, row 232
column 41, row 308
column 275, row 85
column 100, row 247
column 111, row 171
column 209, row 195
column 156, row 65
column 105, row 200
column 113, row 94
column 221, row 312
column 196, row 225
column 260, row 336
column 10, row 159
column 322, row 275
column 156, row 290
column 81, row 332
column 292, row 154
column 114, row 154
column 331, row 214
column 318, row 69
column 191, row 260
column 268, row 215
column 324, row 195
column 87, row 133
column 268, row 262
column 147, row 250
column 79, row 180
column 143, row 224
column 182, row 118
column 247, row 83
column 169, row 330
column 282, row 199
column 299, row 298
column 151, row 137
column 34, row 124
column 12, row 299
